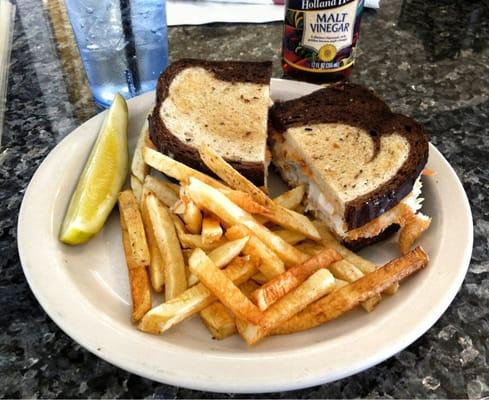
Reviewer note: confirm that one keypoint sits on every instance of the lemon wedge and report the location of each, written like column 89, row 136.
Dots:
column 101, row 179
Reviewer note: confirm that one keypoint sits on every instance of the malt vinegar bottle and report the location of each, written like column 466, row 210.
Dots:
column 320, row 39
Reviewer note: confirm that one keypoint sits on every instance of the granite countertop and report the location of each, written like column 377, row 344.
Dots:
column 429, row 61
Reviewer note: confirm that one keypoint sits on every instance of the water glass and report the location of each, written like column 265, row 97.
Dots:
column 123, row 44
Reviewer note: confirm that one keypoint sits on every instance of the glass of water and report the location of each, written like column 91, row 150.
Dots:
column 123, row 44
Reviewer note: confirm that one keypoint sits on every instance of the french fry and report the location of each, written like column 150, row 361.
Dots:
column 292, row 198
column 415, row 225
column 229, row 175
column 249, row 287
column 175, row 187
column 176, row 169
column 139, row 169
column 161, row 189
column 291, row 220
column 339, row 283
column 245, row 201
column 214, row 201
column 219, row 320
column 328, row 239
column 166, row 237
column 190, row 241
column 180, row 228
column 309, row 247
column 290, row 237
column 138, row 282
column 314, row 287
column 260, row 278
column 137, row 188
column 140, row 292
column 161, row 318
column 192, row 217
column 345, row 298
column 223, row 288
column 369, row 304
column 222, row 256
column 278, row 287
column 132, row 221
column 156, row 266
column 186, row 255
column 179, row 207
column 270, row 264
column 392, row 289
column 276, row 213
column 262, row 220
column 350, row 273
column 211, row 229
column 138, row 278
column 346, row 271
column 362, row 264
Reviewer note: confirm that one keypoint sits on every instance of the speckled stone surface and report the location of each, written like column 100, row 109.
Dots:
column 429, row 61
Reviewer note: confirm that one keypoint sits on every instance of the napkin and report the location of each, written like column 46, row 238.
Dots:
column 187, row 12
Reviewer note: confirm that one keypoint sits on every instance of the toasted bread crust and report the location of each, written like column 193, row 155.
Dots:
column 232, row 71
column 356, row 245
column 358, row 106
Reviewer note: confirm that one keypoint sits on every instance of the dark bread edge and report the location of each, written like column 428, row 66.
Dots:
column 369, row 206
column 168, row 144
column 358, row 106
column 231, row 71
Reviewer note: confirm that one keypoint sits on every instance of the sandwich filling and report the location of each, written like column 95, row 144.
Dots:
column 340, row 176
column 406, row 208
column 201, row 109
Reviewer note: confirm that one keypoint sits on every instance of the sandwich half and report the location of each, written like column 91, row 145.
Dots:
column 360, row 162
column 223, row 104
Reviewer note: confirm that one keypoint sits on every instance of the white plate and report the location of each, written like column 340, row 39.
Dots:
column 85, row 291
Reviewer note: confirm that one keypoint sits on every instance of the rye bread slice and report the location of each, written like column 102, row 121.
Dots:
column 229, row 71
column 357, row 106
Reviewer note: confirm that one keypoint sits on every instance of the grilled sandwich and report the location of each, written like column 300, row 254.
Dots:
column 360, row 162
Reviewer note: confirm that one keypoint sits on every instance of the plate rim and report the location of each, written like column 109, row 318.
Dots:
column 305, row 381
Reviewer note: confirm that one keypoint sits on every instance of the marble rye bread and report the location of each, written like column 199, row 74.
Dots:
column 356, row 106
column 220, row 103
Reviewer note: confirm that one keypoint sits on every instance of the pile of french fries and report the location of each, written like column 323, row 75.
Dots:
column 246, row 263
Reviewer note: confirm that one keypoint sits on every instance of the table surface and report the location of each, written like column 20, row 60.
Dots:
column 427, row 61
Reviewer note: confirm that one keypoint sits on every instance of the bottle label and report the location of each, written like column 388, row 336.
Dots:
column 321, row 35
